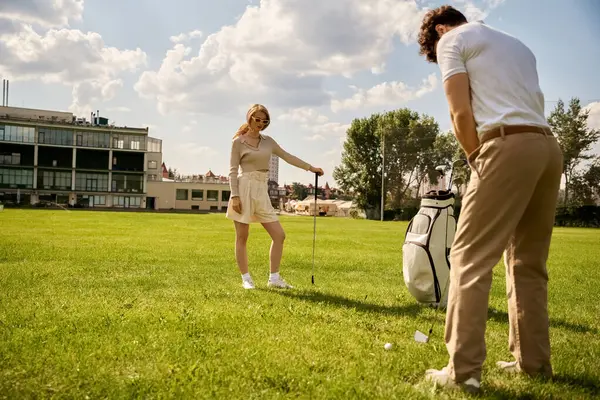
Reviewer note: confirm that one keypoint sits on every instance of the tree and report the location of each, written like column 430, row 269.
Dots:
column 299, row 191
column 408, row 139
column 574, row 137
column 360, row 168
column 585, row 187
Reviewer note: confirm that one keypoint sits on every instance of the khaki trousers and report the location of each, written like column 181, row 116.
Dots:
column 509, row 206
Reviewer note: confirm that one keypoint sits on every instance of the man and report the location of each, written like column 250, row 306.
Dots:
column 497, row 110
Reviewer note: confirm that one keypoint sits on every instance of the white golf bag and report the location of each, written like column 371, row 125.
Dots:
column 426, row 248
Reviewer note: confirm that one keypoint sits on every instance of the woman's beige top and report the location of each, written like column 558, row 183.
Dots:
column 250, row 158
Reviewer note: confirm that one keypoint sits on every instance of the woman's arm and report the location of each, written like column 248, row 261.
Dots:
column 288, row 158
column 234, row 164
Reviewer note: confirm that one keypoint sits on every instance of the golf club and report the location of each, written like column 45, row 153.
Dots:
column 420, row 336
column 315, row 227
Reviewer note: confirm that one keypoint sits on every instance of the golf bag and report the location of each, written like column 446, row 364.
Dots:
column 426, row 248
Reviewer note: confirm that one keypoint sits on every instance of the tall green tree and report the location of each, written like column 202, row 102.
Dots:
column 585, row 187
column 360, row 168
column 575, row 137
column 299, row 191
column 407, row 140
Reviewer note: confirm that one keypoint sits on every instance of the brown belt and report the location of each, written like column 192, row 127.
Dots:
column 511, row 130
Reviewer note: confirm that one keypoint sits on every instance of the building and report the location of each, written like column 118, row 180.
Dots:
column 197, row 192
column 274, row 169
column 52, row 156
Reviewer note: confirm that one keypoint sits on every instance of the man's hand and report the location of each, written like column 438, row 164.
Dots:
column 236, row 204
column 458, row 93
column 317, row 170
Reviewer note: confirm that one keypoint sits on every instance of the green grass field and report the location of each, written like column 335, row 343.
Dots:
column 127, row 305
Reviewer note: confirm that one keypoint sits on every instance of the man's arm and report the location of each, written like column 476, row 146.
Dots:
column 458, row 93
column 452, row 54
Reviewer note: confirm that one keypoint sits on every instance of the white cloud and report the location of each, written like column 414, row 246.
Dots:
column 303, row 115
column 47, row 13
column 66, row 56
column 474, row 12
column 120, row 109
column 593, row 120
column 185, row 156
column 185, row 37
column 315, row 138
column 386, row 93
column 280, row 52
column 311, row 120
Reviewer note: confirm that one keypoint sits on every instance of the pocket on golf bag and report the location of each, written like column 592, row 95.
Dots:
column 418, row 272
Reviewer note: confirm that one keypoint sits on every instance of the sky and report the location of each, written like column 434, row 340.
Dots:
column 190, row 69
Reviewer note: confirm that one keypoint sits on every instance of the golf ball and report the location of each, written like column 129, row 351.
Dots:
column 388, row 346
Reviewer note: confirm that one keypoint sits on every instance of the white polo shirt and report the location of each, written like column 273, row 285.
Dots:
column 502, row 72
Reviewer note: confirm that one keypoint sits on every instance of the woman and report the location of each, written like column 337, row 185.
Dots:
column 250, row 200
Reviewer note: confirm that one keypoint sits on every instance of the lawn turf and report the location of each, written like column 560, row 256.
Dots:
column 125, row 305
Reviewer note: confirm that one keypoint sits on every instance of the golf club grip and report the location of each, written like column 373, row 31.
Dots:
column 316, row 184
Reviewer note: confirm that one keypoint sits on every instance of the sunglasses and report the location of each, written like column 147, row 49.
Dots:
column 265, row 122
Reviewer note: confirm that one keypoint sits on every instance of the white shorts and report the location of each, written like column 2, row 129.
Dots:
column 254, row 198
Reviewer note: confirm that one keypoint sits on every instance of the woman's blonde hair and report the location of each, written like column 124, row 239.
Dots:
column 246, row 125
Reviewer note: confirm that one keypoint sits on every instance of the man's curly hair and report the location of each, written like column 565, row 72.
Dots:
column 428, row 36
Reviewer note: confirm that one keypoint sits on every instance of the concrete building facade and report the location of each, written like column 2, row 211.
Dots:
column 274, row 169
column 200, row 195
column 52, row 156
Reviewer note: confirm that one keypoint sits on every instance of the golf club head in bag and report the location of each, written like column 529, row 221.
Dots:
column 461, row 162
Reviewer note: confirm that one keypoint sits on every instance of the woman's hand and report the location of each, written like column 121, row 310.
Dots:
column 316, row 170
column 236, row 204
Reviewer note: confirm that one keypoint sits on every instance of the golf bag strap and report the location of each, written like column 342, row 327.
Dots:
column 512, row 130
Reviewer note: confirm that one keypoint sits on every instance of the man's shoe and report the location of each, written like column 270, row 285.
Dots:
column 509, row 366
column 442, row 378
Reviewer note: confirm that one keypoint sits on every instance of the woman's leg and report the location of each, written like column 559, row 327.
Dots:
column 241, row 238
column 277, row 234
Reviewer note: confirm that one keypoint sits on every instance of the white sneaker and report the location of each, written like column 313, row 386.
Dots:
column 248, row 283
column 442, row 378
column 279, row 283
column 510, row 367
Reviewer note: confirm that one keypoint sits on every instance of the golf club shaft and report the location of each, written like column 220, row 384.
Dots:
column 315, row 227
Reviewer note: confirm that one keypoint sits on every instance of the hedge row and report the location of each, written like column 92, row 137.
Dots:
column 580, row 217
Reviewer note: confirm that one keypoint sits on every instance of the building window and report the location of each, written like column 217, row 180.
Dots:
column 225, row 195
column 60, row 137
column 212, row 195
column 93, row 139
column 22, row 134
column 195, row 207
column 181, row 194
column 10, row 159
column 16, row 178
column 132, row 142
column 91, row 182
column 154, row 145
column 127, row 183
column 214, row 208
column 197, row 194
column 151, row 177
column 54, row 180
column 151, row 164
column 127, row 201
